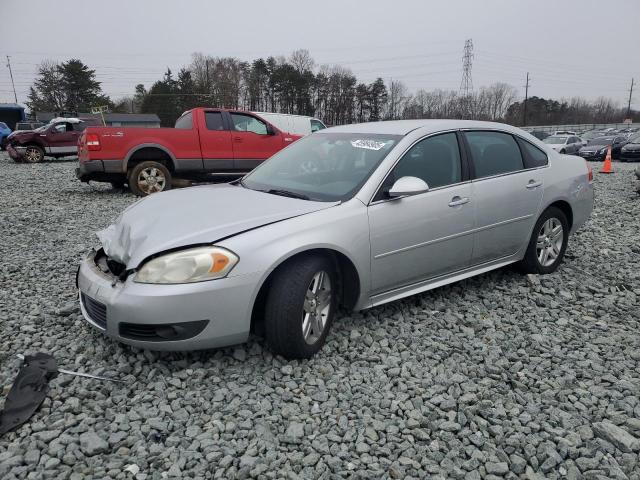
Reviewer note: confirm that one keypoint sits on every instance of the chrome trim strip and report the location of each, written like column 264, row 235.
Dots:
column 451, row 237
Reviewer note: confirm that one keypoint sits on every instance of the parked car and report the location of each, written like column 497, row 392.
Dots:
column 630, row 152
column 590, row 135
column 539, row 134
column 597, row 148
column 564, row 143
column 295, row 124
column 57, row 139
column 5, row 131
column 357, row 216
column 204, row 140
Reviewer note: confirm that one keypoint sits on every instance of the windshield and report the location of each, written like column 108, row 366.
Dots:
column 555, row 140
column 602, row 141
column 325, row 167
column 42, row 128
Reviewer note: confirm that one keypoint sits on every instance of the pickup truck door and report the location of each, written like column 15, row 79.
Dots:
column 215, row 142
column 254, row 140
column 61, row 139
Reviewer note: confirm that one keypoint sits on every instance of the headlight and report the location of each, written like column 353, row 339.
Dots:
column 188, row 266
column 603, row 150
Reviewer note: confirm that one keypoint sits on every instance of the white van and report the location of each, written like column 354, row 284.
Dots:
column 294, row 124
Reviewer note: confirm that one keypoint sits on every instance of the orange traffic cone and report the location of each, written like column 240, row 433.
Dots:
column 606, row 167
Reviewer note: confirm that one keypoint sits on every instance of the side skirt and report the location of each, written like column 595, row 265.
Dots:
column 430, row 284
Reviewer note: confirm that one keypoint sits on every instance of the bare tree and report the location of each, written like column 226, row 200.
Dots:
column 301, row 60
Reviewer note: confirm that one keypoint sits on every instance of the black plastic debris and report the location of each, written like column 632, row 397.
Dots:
column 28, row 391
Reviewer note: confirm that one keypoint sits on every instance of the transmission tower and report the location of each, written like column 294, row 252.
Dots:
column 466, row 86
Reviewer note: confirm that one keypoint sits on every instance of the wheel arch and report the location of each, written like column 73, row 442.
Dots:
column 565, row 207
column 149, row 151
column 348, row 277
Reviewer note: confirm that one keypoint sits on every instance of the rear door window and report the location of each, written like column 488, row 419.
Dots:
column 214, row 120
column 494, row 153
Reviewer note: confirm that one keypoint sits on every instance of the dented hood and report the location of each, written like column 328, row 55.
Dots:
column 192, row 216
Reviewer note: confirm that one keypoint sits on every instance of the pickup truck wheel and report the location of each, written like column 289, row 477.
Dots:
column 33, row 154
column 300, row 307
column 149, row 177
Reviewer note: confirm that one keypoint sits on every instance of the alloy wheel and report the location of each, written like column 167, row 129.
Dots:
column 32, row 155
column 151, row 180
column 549, row 243
column 317, row 304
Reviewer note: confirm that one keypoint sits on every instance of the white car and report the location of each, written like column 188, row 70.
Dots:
column 568, row 144
column 293, row 124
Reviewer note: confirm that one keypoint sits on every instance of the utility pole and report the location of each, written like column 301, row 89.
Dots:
column 11, row 75
column 629, row 104
column 393, row 106
column 526, row 97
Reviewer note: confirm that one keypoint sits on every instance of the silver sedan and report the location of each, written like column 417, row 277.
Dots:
column 352, row 216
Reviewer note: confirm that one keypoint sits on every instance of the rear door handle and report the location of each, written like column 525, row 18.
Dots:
column 533, row 184
column 456, row 201
column 237, row 139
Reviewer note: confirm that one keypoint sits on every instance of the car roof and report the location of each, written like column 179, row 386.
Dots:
column 403, row 127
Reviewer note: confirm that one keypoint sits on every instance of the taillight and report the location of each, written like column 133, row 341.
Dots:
column 93, row 142
column 589, row 172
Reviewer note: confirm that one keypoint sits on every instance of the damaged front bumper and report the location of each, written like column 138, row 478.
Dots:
column 180, row 317
column 16, row 152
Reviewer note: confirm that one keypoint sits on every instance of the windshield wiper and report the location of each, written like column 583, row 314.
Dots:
column 287, row 193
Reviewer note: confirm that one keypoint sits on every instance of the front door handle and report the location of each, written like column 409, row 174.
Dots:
column 237, row 139
column 457, row 201
column 533, row 184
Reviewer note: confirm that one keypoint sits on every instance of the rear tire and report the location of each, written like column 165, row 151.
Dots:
column 547, row 244
column 33, row 154
column 149, row 177
column 301, row 306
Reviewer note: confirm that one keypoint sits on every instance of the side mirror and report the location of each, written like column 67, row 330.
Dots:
column 270, row 129
column 407, row 186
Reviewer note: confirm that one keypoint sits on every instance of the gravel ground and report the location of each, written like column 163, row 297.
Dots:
column 499, row 376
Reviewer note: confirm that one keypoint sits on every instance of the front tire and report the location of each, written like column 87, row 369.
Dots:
column 548, row 242
column 149, row 177
column 33, row 154
column 301, row 306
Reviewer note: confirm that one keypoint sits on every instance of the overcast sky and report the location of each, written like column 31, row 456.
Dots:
column 570, row 47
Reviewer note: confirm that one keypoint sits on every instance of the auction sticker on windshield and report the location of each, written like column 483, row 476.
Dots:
column 368, row 144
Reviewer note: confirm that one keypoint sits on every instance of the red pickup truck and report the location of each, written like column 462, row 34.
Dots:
column 204, row 140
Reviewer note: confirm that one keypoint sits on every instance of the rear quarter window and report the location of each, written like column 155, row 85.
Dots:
column 533, row 157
